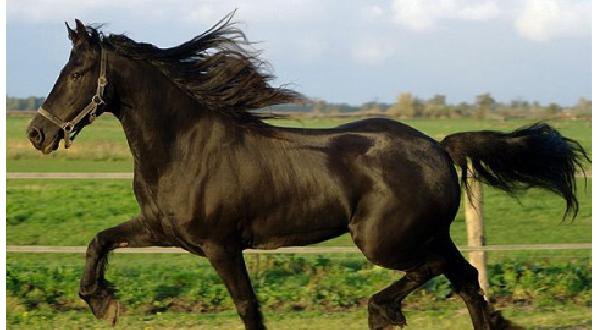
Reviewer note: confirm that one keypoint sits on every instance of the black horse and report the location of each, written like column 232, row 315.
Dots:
column 212, row 178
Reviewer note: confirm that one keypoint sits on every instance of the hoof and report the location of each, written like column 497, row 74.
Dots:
column 106, row 308
column 104, row 305
column 112, row 312
column 385, row 317
column 498, row 322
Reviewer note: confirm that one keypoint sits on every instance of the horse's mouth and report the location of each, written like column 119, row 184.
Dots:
column 53, row 145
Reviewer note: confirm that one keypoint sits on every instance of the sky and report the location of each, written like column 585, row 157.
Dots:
column 344, row 51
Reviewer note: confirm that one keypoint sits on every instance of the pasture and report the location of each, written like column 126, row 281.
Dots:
column 296, row 291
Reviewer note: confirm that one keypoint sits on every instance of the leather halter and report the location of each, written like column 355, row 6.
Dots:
column 91, row 108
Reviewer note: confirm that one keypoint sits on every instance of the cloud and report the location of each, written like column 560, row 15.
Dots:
column 373, row 12
column 173, row 11
column 542, row 20
column 423, row 15
column 39, row 11
column 202, row 13
column 373, row 51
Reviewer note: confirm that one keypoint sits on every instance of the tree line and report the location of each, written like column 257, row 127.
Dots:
column 484, row 106
column 23, row 104
column 407, row 106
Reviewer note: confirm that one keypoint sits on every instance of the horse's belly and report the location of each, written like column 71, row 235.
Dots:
column 276, row 230
column 297, row 239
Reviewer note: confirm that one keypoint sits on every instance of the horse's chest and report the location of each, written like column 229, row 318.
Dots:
column 158, row 204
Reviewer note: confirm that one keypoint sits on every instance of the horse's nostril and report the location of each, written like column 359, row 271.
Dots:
column 35, row 136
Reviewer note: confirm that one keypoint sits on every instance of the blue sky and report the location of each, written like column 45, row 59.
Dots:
column 344, row 51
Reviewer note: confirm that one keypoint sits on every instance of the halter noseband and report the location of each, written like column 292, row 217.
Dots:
column 91, row 108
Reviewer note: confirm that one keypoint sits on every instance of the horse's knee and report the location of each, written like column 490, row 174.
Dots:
column 97, row 245
column 125, row 234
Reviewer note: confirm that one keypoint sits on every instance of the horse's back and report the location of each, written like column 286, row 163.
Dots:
column 396, row 156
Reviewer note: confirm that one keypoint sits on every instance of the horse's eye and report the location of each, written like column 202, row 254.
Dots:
column 76, row 75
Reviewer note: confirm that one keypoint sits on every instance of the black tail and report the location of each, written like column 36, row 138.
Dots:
column 534, row 156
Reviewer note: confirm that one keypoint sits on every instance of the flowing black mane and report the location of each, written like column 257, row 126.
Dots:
column 215, row 68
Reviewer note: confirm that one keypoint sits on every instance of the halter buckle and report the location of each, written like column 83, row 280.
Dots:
column 102, row 81
column 68, row 127
column 97, row 99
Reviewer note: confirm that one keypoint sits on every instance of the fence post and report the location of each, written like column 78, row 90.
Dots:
column 475, row 231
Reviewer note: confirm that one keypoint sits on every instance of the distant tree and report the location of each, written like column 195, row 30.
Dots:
column 519, row 108
column 484, row 105
column 553, row 109
column 375, row 108
column 462, row 109
column 535, row 109
column 20, row 104
column 419, row 107
column 334, row 109
column 372, row 107
column 583, row 106
column 403, row 107
column 12, row 103
column 436, row 107
column 320, row 107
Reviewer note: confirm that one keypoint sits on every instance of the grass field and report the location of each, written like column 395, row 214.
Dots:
column 543, row 288
column 160, row 290
column 565, row 317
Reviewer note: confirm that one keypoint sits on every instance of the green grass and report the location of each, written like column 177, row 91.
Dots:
column 101, row 147
column 455, row 318
column 56, row 164
column 42, row 211
column 56, row 212
column 159, row 290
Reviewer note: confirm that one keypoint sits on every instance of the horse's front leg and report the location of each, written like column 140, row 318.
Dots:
column 229, row 264
column 94, row 289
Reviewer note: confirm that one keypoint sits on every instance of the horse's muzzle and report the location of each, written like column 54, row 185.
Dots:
column 35, row 136
column 44, row 139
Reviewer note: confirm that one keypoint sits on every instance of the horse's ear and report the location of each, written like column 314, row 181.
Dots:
column 71, row 32
column 79, row 35
column 80, row 27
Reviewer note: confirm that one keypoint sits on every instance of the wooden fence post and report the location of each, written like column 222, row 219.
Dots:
column 475, row 230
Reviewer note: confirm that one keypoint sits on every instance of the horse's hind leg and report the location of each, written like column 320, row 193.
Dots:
column 464, row 279
column 94, row 289
column 385, row 306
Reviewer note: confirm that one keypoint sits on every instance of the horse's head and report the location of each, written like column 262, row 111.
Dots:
column 76, row 95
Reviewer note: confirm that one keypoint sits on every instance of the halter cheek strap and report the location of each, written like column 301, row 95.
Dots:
column 91, row 108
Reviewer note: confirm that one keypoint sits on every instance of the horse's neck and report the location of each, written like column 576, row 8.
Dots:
column 152, row 111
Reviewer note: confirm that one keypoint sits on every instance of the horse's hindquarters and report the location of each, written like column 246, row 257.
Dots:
column 413, row 199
